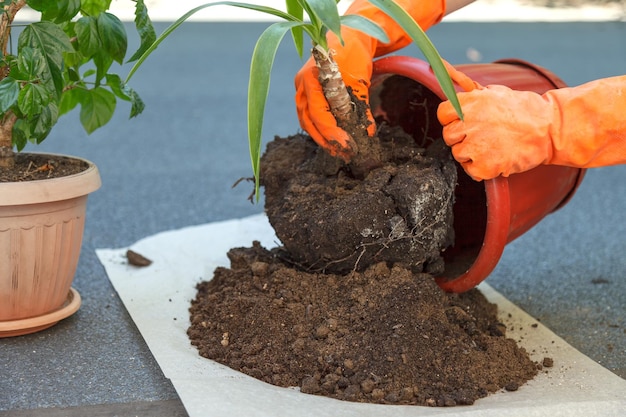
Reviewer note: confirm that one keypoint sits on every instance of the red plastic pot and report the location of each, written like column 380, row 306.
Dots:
column 488, row 214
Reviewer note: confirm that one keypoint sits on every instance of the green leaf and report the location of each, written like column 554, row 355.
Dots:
column 94, row 7
column 114, row 82
column 30, row 64
column 103, row 62
column 32, row 98
column 51, row 42
column 113, row 36
column 87, row 36
column 20, row 134
column 144, row 29
column 70, row 99
column 366, row 26
column 410, row 26
column 258, row 88
column 9, row 90
column 42, row 124
column 183, row 18
column 294, row 8
column 66, row 10
column 97, row 108
column 328, row 14
column 138, row 105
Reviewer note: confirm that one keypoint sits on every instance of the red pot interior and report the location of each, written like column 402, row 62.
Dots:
column 488, row 214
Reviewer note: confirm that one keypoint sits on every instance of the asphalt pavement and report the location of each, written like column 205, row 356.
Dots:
column 174, row 166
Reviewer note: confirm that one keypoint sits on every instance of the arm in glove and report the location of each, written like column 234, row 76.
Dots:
column 506, row 131
column 355, row 63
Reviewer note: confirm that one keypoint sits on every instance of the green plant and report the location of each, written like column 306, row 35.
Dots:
column 323, row 16
column 60, row 62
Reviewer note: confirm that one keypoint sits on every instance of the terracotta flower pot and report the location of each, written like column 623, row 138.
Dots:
column 41, row 230
column 488, row 214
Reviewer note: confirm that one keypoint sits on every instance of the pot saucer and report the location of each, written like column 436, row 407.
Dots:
column 34, row 324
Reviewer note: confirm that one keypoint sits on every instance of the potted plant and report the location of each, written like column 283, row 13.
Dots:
column 62, row 61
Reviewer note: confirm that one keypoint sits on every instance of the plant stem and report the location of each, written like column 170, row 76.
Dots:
column 9, row 118
column 334, row 88
column 366, row 150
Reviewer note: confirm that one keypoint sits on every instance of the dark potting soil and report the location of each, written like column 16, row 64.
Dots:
column 32, row 167
column 348, row 307
column 385, row 335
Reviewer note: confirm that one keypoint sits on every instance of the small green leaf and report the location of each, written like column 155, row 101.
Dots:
column 31, row 64
column 20, row 134
column 117, row 87
column 51, row 42
column 144, row 29
column 87, row 36
column 113, row 36
column 9, row 90
column 42, row 124
column 294, row 8
column 32, row 98
column 171, row 28
column 66, row 10
column 328, row 14
column 366, row 26
column 103, row 62
column 258, row 88
column 96, row 108
column 410, row 26
column 70, row 99
column 138, row 105
column 94, row 7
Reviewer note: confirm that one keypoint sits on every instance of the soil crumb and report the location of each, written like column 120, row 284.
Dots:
column 385, row 335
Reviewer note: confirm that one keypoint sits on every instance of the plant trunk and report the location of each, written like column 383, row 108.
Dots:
column 7, row 156
column 350, row 113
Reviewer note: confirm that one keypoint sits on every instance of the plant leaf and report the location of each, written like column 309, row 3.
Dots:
column 183, row 18
column 258, row 88
column 294, row 8
column 145, row 29
column 366, row 26
column 32, row 98
column 113, row 36
column 70, row 99
column 328, row 14
column 9, row 90
column 87, row 35
column 410, row 26
column 97, row 107
column 94, row 7
column 52, row 42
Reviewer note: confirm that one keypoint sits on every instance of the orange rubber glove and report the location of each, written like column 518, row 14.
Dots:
column 355, row 63
column 507, row 131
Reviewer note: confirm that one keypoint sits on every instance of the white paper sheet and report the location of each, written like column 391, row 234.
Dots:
column 158, row 298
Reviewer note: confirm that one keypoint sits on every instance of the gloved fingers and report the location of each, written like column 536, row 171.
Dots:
column 463, row 81
column 447, row 115
column 321, row 124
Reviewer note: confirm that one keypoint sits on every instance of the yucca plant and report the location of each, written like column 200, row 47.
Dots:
column 315, row 18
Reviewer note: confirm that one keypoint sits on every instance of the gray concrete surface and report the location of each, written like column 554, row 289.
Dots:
column 174, row 167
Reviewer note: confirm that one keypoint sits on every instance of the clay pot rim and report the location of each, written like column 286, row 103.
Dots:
column 53, row 189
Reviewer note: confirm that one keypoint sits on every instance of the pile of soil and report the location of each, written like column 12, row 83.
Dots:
column 385, row 335
column 348, row 307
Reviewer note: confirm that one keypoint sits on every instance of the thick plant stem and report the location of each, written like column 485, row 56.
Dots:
column 8, row 119
column 366, row 149
column 334, row 88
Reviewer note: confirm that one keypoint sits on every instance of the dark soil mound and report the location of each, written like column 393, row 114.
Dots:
column 386, row 335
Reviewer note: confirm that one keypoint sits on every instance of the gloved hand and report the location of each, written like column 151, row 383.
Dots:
column 355, row 63
column 507, row 131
